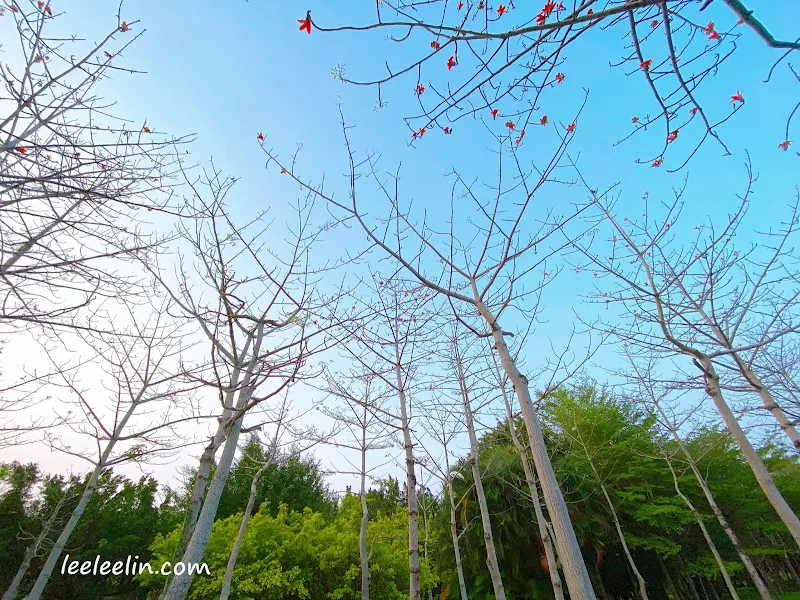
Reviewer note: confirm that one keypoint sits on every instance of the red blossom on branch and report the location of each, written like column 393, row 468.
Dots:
column 543, row 120
column 494, row 112
column 657, row 163
column 785, row 145
column 501, row 10
column 737, row 97
column 672, row 136
column 635, row 120
column 22, row 149
column 693, row 111
column 645, row 64
column 451, row 62
column 571, row 127
column 305, row 24
column 511, row 125
column 435, row 45
column 107, row 53
column 519, row 139
column 447, row 130
column 654, row 23
column 560, row 77
column 261, row 136
column 460, row 6
column 420, row 89
column 122, row 27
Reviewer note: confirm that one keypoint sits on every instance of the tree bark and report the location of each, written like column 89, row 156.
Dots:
column 462, row 585
column 362, row 538
column 237, row 546
column 30, row 551
column 623, row 541
column 412, row 507
column 711, row 545
column 668, row 579
column 751, row 456
column 488, row 538
column 575, row 573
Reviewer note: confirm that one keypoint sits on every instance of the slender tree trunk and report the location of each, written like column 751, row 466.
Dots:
column 362, row 538
column 791, row 568
column 77, row 512
column 530, row 478
column 178, row 588
column 711, row 545
column 668, row 578
column 411, row 487
column 13, row 589
column 743, row 556
column 751, row 456
column 462, row 585
column 623, row 541
column 575, row 573
column 237, row 546
column 488, row 538
column 597, row 582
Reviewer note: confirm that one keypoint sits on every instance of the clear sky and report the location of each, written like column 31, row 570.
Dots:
column 228, row 70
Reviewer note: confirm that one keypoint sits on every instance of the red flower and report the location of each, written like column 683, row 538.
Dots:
column 571, row 127
column 480, row 5
column 519, row 139
column 693, row 111
column 460, row 5
column 549, row 7
column 106, row 52
column 261, row 136
column 447, row 130
column 635, row 120
column 501, row 10
column 560, row 7
column 494, row 113
column 422, row 131
column 559, row 77
column 123, row 26
column 737, row 97
column 654, row 23
column 22, row 149
column 511, row 125
column 543, row 120
column 435, row 45
column 708, row 28
column 740, row 22
column 420, row 89
column 305, row 24
column 413, row 135
column 103, row 166
column 49, row 10
column 283, row 170
column 40, row 3
column 451, row 62
column 672, row 136
column 645, row 64
column 13, row 8
column 540, row 19
column 145, row 129
column 657, row 163
column 590, row 11
column 784, row 145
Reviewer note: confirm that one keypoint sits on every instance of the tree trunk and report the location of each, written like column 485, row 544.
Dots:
column 30, row 551
column 743, row 556
column 753, row 459
column 530, row 478
column 362, row 538
column 411, row 488
column 77, row 512
column 791, row 568
column 462, row 585
column 623, row 541
column 668, row 578
column 178, row 588
column 488, row 539
column 577, row 577
column 237, row 546
column 698, row 517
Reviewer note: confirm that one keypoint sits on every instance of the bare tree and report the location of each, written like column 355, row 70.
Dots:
column 480, row 266
column 144, row 380
column 692, row 301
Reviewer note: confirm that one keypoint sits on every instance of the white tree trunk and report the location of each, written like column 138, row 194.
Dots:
column 746, row 560
column 488, row 539
column 30, row 551
column 77, row 512
column 462, row 585
column 711, row 545
column 575, row 574
column 362, row 537
column 412, row 507
column 530, row 478
column 623, row 541
column 770, row 403
column 237, row 546
column 751, row 456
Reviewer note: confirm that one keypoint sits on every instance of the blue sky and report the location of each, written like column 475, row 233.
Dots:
column 227, row 70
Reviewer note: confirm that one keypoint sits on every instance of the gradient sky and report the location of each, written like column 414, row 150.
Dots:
column 227, row 70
